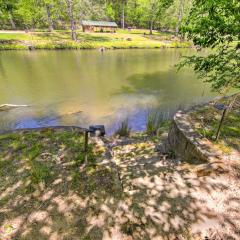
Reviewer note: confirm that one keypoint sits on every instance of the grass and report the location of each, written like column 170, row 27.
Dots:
column 124, row 129
column 156, row 124
column 206, row 121
column 45, row 183
column 38, row 151
column 61, row 40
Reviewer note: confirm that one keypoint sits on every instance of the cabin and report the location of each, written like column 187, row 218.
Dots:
column 98, row 26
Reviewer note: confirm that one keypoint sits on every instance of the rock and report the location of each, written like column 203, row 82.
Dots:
column 163, row 148
column 102, row 49
column 160, row 148
column 162, row 136
column 31, row 48
column 176, row 161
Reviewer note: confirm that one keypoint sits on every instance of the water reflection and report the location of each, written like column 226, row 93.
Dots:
column 87, row 87
column 2, row 70
column 168, row 87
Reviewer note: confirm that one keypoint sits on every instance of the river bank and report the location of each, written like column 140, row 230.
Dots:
column 61, row 40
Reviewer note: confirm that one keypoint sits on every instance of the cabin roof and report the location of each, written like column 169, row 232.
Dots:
column 99, row 23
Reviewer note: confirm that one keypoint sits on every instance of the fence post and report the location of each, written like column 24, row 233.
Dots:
column 220, row 124
column 86, row 145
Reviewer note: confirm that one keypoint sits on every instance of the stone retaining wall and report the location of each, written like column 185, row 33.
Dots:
column 187, row 144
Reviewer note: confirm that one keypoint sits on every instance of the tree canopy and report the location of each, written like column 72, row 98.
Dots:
column 215, row 25
column 54, row 14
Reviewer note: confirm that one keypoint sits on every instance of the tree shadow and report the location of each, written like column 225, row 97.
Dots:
column 93, row 38
column 57, row 36
column 147, row 196
column 61, row 206
column 167, row 201
column 53, row 35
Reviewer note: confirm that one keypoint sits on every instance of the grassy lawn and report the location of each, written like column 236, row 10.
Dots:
column 37, row 154
column 207, row 119
column 44, row 188
column 61, row 40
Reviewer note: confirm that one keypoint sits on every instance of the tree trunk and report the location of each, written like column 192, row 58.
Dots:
column 123, row 15
column 12, row 21
column 50, row 22
column 151, row 27
column 180, row 16
column 71, row 17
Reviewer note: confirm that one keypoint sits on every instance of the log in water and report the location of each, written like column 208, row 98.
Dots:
column 7, row 107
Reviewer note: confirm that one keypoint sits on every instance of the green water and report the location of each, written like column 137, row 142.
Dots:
column 89, row 87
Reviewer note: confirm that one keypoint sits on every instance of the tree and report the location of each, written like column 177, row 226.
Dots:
column 30, row 13
column 48, row 4
column 123, row 13
column 8, row 8
column 153, row 10
column 215, row 25
column 134, row 13
column 180, row 15
column 91, row 10
column 70, row 10
column 57, row 13
column 117, row 9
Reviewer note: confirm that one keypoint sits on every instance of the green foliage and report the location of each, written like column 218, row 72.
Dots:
column 207, row 122
column 67, row 14
column 164, row 126
column 152, row 9
column 124, row 129
column 156, row 123
column 30, row 14
column 152, row 123
column 216, row 25
column 28, row 10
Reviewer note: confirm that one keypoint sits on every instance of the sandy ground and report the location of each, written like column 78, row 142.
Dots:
column 167, row 201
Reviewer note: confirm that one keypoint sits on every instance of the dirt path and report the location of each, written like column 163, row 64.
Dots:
column 163, row 200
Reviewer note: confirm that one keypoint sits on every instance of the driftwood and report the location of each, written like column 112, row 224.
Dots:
column 6, row 107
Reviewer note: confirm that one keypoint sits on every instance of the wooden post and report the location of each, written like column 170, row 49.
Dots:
column 220, row 124
column 86, row 145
